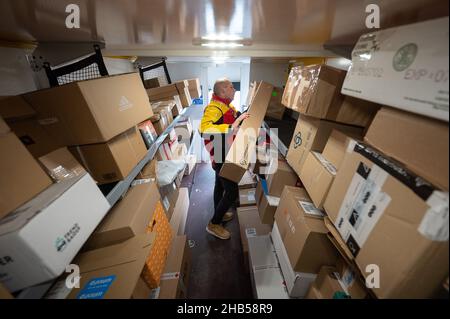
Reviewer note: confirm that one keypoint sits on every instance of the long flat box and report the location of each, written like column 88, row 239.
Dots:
column 175, row 279
column 297, row 283
column 303, row 232
column 315, row 91
column 418, row 142
column 238, row 158
column 61, row 165
column 22, row 177
column 317, row 175
column 114, row 160
column 406, row 69
column 312, row 134
column 247, row 197
column 267, row 280
column 92, row 111
column 128, row 218
column 390, row 217
column 179, row 216
column 112, row 272
column 63, row 216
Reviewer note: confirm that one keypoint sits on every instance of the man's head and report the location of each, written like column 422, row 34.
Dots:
column 224, row 89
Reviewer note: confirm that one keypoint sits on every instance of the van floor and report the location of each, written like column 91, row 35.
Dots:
column 218, row 270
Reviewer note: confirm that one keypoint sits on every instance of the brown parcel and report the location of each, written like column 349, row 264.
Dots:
column 352, row 280
column 121, row 264
column 152, row 83
column 317, row 175
column 15, row 108
column 175, row 279
column 92, row 111
column 250, row 225
column 327, row 283
column 312, row 135
column 267, row 205
column 276, row 109
column 194, row 88
column 303, row 232
column 317, row 93
column 419, row 142
column 36, row 138
column 160, row 122
column 183, row 92
column 238, row 158
column 61, row 165
column 114, row 160
column 22, row 178
column 162, row 93
column 247, row 197
column 128, row 218
column 283, row 176
column 410, row 250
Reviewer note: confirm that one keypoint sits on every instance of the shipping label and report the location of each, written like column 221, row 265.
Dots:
column 310, row 209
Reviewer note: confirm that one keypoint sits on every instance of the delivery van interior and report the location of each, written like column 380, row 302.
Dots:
column 326, row 178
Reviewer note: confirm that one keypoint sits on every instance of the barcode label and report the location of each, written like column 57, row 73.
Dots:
column 310, row 209
column 330, row 167
column 251, row 196
column 250, row 232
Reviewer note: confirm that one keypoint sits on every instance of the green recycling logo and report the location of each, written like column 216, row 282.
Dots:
column 404, row 57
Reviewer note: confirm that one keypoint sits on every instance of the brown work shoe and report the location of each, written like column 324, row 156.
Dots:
column 227, row 217
column 218, row 231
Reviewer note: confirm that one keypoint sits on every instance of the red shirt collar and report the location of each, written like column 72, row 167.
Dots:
column 223, row 100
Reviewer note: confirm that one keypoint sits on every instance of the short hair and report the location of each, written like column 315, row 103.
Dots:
column 219, row 84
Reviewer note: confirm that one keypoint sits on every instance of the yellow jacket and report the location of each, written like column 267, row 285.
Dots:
column 217, row 117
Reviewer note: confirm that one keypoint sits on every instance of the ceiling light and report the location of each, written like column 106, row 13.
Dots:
column 222, row 45
column 222, row 37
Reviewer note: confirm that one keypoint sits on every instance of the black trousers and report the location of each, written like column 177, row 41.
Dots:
column 225, row 194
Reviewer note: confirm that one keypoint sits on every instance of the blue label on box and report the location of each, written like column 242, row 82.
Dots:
column 96, row 288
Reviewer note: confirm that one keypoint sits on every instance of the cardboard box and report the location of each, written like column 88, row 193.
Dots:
column 250, row 225
column 15, row 108
column 315, row 91
column 267, row 205
column 114, row 160
column 175, row 279
column 130, row 217
column 162, row 93
column 336, row 147
column 351, row 280
column 152, row 83
column 328, row 284
column 61, row 165
column 164, row 110
column 194, row 88
column 177, row 109
column 275, row 109
column 283, row 176
column 63, row 216
column 21, row 176
column 317, row 175
column 179, row 216
column 112, row 272
column 94, row 111
column 156, row 260
column 4, row 128
column 265, row 274
column 35, row 137
column 148, row 133
column 406, row 68
column 312, row 134
column 313, row 293
column 183, row 92
column 385, row 214
column 238, row 158
column 418, row 142
column 148, row 171
column 168, row 148
column 247, row 181
column 303, row 232
column 251, row 92
column 247, row 197
column 160, row 123
column 297, row 283
column 170, row 105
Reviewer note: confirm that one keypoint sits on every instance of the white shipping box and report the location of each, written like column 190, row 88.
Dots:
column 267, row 280
column 39, row 239
column 297, row 283
column 404, row 67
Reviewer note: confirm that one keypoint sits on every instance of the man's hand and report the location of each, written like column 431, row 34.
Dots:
column 238, row 121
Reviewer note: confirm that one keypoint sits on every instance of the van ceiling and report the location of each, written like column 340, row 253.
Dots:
column 275, row 28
